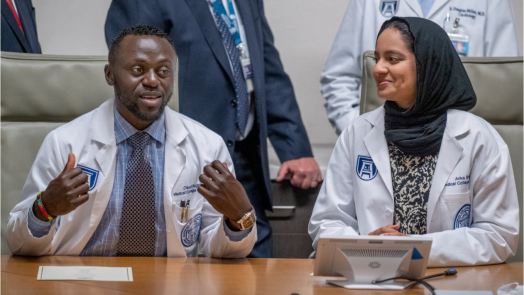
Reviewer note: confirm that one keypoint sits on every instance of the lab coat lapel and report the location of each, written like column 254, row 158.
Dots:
column 437, row 6
column 415, row 6
column 209, row 28
column 449, row 155
column 377, row 147
column 175, row 160
column 103, row 132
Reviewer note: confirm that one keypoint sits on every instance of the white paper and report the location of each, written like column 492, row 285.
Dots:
column 85, row 273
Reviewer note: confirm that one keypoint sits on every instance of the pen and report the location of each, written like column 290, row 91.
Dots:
column 182, row 205
column 187, row 209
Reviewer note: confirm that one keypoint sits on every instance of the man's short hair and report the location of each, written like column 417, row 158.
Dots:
column 139, row 30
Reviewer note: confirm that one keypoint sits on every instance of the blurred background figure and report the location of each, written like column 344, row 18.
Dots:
column 19, row 27
column 478, row 28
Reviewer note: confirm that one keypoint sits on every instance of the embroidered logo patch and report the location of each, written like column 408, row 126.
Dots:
column 389, row 8
column 366, row 169
column 191, row 231
column 462, row 218
column 92, row 175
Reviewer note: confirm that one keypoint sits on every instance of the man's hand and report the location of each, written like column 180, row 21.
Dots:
column 305, row 172
column 224, row 192
column 64, row 193
column 389, row 230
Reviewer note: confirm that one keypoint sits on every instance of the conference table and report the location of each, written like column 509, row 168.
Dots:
column 224, row 276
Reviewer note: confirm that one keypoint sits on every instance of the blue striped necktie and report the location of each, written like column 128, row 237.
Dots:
column 137, row 225
column 239, row 81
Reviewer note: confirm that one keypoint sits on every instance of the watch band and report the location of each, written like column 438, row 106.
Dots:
column 248, row 220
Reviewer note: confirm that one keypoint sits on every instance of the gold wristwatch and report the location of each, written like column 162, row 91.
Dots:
column 248, row 220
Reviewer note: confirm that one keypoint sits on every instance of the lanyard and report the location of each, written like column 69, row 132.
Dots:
column 230, row 20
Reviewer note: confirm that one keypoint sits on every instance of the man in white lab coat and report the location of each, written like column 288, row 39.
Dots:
column 136, row 189
column 488, row 24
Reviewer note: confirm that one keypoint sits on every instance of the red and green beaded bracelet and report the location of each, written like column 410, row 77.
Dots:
column 41, row 206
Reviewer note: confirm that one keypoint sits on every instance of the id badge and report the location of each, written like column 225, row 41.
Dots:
column 248, row 72
column 460, row 42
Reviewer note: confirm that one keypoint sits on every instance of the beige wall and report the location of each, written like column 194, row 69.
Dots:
column 304, row 31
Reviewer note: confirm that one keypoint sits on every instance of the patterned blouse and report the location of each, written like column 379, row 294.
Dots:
column 412, row 177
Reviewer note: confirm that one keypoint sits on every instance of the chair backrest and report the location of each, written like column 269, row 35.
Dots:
column 38, row 94
column 498, row 84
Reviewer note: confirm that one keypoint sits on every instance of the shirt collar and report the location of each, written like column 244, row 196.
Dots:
column 123, row 129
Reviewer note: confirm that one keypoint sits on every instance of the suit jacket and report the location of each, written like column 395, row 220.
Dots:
column 206, row 91
column 13, row 39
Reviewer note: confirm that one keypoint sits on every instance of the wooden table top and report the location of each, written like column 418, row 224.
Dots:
column 223, row 276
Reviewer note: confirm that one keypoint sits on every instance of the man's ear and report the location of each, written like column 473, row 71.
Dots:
column 110, row 79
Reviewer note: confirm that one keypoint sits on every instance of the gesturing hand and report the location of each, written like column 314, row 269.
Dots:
column 388, row 230
column 223, row 191
column 305, row 172
column 66, row 192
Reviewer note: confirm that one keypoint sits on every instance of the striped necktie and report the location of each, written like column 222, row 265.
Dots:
column 13, row 10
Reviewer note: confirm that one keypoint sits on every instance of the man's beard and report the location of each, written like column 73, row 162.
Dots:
column 132, row 106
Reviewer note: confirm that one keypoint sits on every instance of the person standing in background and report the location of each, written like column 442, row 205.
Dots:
column 488, row 24
column 19, row 27
column 233, row 82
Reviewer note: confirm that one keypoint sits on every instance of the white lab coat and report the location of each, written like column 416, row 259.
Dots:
column 490, row 35
column 189, row 147
column 473, row 168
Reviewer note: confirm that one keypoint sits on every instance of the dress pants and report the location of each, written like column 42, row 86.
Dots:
column 246, row 159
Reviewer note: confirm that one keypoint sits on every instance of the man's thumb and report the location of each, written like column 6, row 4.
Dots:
column 70, row 162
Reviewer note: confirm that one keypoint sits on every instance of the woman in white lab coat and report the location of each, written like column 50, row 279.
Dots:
column 422, row 165
column 488, row 23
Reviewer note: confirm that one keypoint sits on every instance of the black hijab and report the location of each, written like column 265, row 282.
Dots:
column 442, row 84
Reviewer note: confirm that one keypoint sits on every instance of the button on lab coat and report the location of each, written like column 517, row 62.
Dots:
column 491, row 33
column 189, row 147
column 472, row 211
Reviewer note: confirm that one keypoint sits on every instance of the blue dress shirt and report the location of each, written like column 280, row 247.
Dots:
column 426, row 6
column 104, row 240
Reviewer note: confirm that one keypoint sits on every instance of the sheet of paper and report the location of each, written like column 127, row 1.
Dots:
column 85, row 273
column 453, row 292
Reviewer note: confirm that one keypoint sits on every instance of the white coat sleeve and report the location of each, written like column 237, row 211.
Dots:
column 334, row 211
column 500, row 36
column 46, row 167
column 494, row 232
column 342, row 75
column 213, row 239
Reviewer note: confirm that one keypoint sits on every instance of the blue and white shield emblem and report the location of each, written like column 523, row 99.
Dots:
column 389, row 8
column 191, row 231
column 366, row 169
column 92, row 175
column 462, row 218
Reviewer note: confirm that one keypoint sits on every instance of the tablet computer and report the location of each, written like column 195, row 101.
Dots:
column 364, row 259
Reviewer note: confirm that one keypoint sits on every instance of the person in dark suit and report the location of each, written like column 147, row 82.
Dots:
column 245, row 102
column 19, row 27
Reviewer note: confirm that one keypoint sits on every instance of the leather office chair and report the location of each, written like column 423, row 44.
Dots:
column 40, row 93
column 498, row 84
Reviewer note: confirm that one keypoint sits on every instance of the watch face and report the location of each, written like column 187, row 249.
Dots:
column 248, row 222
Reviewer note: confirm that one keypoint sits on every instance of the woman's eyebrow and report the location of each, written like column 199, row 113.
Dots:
column 394, row 52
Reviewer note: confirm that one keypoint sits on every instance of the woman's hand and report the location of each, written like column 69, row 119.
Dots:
column 388, row 230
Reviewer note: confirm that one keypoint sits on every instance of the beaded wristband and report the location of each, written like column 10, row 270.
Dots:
column 41, row 206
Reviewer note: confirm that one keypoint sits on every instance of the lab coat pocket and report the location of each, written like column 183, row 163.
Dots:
column 188, row 221
column 455, row 210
